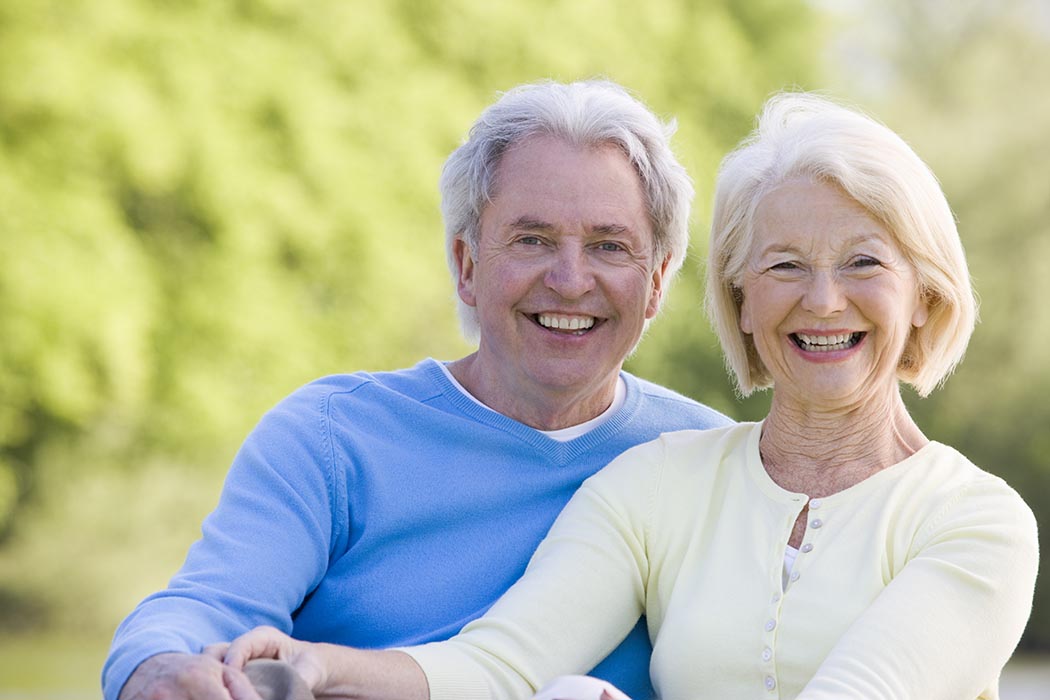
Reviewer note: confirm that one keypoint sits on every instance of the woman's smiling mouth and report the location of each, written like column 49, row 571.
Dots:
column 826, row 343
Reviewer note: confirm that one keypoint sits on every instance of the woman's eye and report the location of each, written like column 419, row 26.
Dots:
column 610, row 247
column 865, row 261
column 784, row 266
column 530, row 240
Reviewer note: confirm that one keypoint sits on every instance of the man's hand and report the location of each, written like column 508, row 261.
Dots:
column 175, row 676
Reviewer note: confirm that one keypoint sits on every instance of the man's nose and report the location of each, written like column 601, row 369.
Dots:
column 571, row 273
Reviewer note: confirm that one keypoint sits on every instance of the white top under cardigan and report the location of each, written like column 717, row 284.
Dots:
column 915, row 583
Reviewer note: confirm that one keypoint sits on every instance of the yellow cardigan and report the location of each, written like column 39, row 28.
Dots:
column 915, row 583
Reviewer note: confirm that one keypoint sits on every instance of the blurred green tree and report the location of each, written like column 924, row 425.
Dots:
column 206, row 204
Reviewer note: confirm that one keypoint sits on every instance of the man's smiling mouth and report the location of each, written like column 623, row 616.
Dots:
column 576, row 325
column 826, row 343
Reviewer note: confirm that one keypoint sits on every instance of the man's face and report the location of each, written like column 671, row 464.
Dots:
column 564, row 277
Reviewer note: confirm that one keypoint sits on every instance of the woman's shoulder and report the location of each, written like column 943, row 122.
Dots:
column 723, row 439
column 964, row 493
column 681, row 455
column 944, row 466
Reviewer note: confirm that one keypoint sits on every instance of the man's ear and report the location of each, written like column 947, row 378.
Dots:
column 657, row 292
column 465, row 271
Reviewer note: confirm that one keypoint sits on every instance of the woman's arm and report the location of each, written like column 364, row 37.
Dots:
column 582, row 592
column 332, row 672
column 950, row 619
column 584, row 589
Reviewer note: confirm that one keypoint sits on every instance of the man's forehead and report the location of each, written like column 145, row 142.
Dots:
column 541, row 148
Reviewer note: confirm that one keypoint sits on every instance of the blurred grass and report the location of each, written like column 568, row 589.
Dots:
column 51, row 667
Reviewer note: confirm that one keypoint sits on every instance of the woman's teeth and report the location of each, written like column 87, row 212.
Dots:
column 826, row 343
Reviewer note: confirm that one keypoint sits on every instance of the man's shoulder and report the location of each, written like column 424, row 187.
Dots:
column 353, row 392
column 408, row 380
column 667, row 405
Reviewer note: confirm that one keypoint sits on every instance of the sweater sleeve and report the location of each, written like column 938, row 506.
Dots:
column 582, row 592
column 947, row 623
column 263, row 548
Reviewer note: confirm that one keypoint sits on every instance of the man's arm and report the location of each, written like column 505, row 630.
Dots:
column 263, row 549
column 582, row 592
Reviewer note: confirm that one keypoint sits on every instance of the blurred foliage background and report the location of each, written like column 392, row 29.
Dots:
column 204, row 205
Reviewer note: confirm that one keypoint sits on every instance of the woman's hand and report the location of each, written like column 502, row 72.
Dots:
column 271, row 643
column 579, row 688
column 329, row 670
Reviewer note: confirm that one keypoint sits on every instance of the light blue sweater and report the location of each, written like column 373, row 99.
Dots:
column 385, row 509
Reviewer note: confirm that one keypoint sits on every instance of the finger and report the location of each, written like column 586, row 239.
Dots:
column 259, row 643
column 238, row 684
column 216, row 651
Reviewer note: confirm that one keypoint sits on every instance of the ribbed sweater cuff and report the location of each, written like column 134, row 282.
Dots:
column 450, row 675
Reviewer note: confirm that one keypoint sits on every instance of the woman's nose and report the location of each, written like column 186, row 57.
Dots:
column 824, row 296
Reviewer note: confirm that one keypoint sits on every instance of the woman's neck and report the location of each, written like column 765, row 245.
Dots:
column 821, row 452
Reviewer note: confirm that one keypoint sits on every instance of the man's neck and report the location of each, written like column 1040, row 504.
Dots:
column 543, row 408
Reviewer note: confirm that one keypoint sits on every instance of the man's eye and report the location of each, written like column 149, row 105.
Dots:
column 610, row 247
column 530, row 240
column 784, row 266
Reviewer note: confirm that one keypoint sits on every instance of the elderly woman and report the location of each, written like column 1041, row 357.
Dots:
column 831, row 550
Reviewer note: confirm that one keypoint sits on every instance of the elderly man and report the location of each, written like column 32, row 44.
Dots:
column 392, row 508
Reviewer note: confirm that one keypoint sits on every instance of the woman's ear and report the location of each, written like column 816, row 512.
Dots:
column 922, row 311
column 745, row 312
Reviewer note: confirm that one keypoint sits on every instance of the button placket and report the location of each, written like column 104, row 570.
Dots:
column 816, row 522
column 767, row 665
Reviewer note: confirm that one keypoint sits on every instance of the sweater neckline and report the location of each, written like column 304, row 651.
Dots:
column 560, row 452
column 774, row 491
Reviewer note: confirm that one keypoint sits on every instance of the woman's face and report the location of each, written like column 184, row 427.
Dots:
column 828, row 297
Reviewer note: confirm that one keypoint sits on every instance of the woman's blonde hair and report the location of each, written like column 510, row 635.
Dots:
column 802, row 135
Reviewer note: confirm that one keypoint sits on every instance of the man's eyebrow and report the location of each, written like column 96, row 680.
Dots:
column 611, row 229
column 527, row 223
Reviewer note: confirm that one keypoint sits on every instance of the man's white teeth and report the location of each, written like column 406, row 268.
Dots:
column 825, row 343
column 566, row 323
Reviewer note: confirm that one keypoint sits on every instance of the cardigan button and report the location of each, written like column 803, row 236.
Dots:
column 806, row 548
column 771, row 683
column 767, row 654
column 814, row 503
column 771, row 625
column 816, row 523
